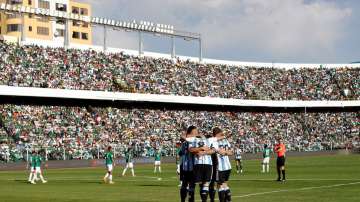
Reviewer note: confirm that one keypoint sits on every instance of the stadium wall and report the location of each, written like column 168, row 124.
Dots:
column 170, row 99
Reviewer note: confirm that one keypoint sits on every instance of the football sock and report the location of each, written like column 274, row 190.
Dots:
column 204, row 193
column 278, row 171
column 191, row 195
column 283, row 174
column 212, row 192
column 222, row 195
column 132, row 172
column 124, row 171
column 30, row 176
column 263, row 168
column 267, row 168
column 110, row 178
column 159, row 169
column 42, row 178
column 227, row 195
column 183, row 194
column 237, row 167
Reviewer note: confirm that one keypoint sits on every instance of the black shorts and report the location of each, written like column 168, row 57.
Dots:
column 239, row 160
column 186, row 176
column 203, row 173
column 280, row 161
column 223, row 176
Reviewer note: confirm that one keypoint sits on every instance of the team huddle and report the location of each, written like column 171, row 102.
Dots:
column 203, row 161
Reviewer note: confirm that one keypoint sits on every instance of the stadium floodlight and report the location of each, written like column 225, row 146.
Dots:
column 141, row 26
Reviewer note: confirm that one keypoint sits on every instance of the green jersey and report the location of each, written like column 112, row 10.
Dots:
column 177, row 155
column 33, row 161
column 36, row 161
column 266, row 152
column 109, row 158
column 129, row 157
column 157, row 156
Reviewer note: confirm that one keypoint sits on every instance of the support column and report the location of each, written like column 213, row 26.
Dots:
column 105, row 38
column 140, row 44
column 66, row 34
column 173, row 53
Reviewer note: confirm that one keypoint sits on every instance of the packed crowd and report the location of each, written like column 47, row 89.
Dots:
column 84, row 132
column 35, row 66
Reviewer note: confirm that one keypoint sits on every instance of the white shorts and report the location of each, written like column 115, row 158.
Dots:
column 130, row 165
column 109, row 167
column 266, row 160
column 37, row 170
column 157, row 163
column 32, row 169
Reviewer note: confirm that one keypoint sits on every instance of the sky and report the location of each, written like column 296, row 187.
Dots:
column 295, row 31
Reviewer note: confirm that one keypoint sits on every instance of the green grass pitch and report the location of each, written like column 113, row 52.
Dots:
column 317, row 178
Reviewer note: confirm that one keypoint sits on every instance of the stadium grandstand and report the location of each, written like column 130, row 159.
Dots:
column 66, row 100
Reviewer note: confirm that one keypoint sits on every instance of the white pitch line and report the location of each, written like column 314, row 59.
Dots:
column 290, row 190
column 299, row 189
column 309, row 179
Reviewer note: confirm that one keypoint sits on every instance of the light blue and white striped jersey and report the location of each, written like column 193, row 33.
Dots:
column 223, row 161
column 187, row 158
column 238, row 154
column 204, row 159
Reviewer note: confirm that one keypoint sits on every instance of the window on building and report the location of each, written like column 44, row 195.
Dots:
column 60, row 21
column 42, row 19
column 61, row 7
column 75, row 10
column 14, row 2
column 44, row 4
column 83, row 11
column 60, row 32
column 13, row 15
column 84, row 36
column 85, row 24
column 76, row 23
column 29, row 2
column 76, row 35
column 43, row 31
column 30, row 28
column 13, row 28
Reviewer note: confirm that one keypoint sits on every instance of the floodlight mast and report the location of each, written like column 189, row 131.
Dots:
column 157, row 29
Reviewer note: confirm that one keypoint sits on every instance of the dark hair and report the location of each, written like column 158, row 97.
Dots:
column 109, row 148
column 265, row 146
column 190, row 129
column 216, row 131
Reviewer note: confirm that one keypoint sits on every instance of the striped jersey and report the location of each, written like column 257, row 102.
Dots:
column 238, row 153
column 186, row 158
column 197, row 143
column 223, row 161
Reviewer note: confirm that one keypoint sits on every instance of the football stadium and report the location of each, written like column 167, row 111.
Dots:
column 84, row 117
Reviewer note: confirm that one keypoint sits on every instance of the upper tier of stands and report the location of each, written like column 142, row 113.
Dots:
column 35, row 66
